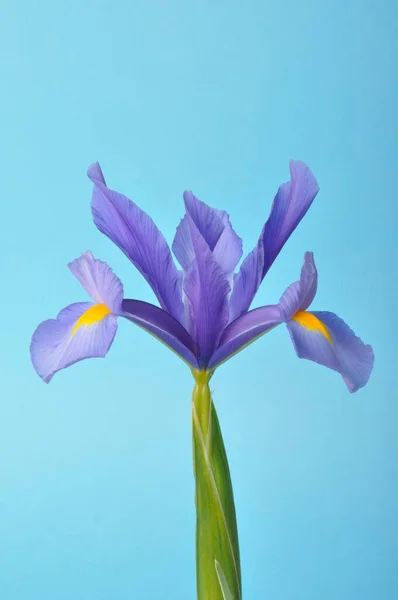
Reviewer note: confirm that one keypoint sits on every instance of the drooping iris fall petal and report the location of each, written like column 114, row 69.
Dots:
column 291, row 203
column 81, row 330
column 325, row 339
column 61, row 342
column 87, row 329
column 322, row 336
column 134, row 232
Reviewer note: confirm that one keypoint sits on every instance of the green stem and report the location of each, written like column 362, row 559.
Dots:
column 216, row 529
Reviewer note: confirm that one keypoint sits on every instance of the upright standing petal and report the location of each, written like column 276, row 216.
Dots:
column 226, row 246
column 206, row 288
column 182, row 244
column 246, row 282
column 228, row 249
column 134, row 232
column 207, row 220
column 291, row 203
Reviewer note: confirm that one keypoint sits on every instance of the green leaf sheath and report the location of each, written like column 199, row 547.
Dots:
column 216, row 530
column 223, row 583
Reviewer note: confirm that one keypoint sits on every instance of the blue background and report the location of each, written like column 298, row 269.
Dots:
column 96, row 485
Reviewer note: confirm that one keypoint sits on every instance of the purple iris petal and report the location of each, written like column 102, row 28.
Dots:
column 99, row 281
column 206, row 219
column 81, row 330
column 228, row 249
column 163, row 326
column 291, row 203
column 134, row 232
column 245, row 330
column 54, row 346
column 206, row 288
column 215, row 227
column 300, row 294
column 344, row 352
column 182, row 244
column 246, row 282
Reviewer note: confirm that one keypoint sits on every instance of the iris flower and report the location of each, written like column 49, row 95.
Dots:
column 204, row 316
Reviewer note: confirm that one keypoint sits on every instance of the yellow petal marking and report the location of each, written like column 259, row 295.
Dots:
column 311, row 322
column 93, row 315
